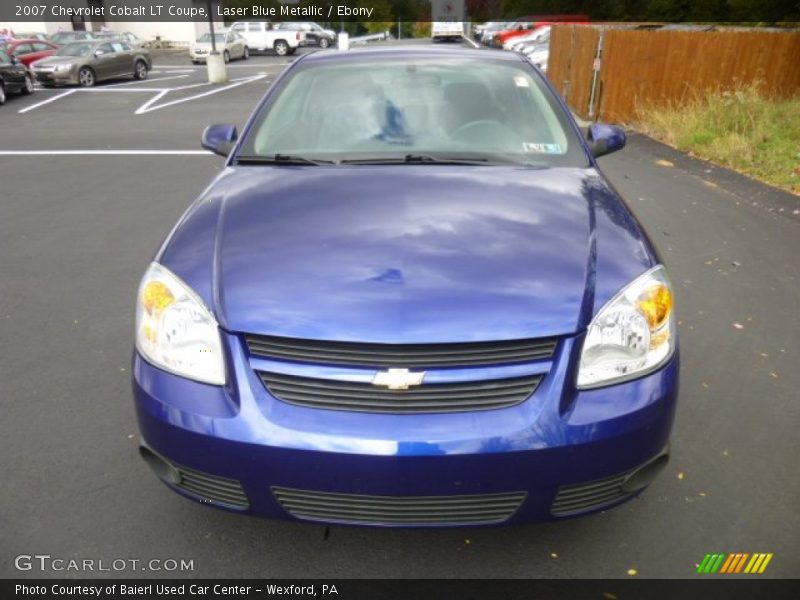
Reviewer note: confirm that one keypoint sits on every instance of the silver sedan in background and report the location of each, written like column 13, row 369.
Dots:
column 230, row 45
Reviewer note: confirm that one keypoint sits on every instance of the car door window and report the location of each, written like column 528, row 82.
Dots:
column 117, row 47
column 254, row 27
column 23, row 49
column 105, row 48
column 238, row 27
column 4, row 59
column 40, row 47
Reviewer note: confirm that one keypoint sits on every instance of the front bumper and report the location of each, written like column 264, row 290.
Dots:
column 559, row 453
column 201, row 56
column 68, row 77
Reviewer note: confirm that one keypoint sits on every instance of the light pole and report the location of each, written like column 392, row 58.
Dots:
column 215, row 62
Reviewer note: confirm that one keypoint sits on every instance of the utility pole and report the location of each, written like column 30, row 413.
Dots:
column 215, row 62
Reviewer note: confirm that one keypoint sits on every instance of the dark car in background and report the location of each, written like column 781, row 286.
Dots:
column 28, row 50
column 31, row 35
column 413, row 300
column 14, row 77
column 315, row 35
column 67, row 37
column 86, row 63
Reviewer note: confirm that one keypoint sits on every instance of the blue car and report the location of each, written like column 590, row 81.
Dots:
column 410, row 299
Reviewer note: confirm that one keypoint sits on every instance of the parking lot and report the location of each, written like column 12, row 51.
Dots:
column 92, row 180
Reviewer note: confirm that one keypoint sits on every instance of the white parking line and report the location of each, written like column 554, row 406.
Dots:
column 115, row 85
column 106, row 152
column 118, row 91
column 159, row 92
column 148, row 106
column 144, row 107
column 48, row 101
column 257, row 66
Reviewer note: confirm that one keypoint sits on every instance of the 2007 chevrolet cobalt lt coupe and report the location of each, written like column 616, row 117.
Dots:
column 410, row 299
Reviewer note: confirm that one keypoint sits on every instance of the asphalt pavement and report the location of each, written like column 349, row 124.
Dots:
column 77, row 231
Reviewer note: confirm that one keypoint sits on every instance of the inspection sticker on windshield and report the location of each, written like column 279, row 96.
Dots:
column 521, row 81
column 532, row 148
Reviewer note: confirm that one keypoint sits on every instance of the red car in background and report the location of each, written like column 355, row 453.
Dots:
column 27, row 51
column 525, row 25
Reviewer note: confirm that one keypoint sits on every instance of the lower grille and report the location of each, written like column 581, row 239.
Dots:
column 399, row 510
column 430, row 398
column 212, row 488
column 582, row 497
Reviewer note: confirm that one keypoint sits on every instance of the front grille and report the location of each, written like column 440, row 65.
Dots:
column 399, row 510
column 427, row 398
column 582, row 497
column 401, row 355
column 212, row 488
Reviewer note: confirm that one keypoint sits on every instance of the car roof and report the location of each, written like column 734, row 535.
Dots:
column 93, row 42
column 401, row 52
column 18, row 41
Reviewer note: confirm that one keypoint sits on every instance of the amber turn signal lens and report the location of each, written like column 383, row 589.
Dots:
column 656, row 305
column 156, row 297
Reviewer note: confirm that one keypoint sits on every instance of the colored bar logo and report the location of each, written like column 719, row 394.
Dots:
column 738, row 562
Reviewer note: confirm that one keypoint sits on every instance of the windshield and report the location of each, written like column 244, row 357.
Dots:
column 62, row 38
column 76, row 49
column 206, row 38
column 498, row 111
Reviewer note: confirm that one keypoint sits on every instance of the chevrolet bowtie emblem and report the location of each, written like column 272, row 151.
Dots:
column 398, row 379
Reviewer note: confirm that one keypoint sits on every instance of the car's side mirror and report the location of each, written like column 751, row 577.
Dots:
column 605, row 139
column 220, row 139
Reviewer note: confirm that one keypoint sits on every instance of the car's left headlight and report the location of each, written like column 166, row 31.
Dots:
column 175, row 330
column 632, row 335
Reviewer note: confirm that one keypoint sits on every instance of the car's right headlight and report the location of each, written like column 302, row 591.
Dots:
column 65, row 67
column 175, row 330
column 632, row 335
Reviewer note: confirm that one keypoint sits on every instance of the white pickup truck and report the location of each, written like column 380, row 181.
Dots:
column 260, row 35
column 447, row 20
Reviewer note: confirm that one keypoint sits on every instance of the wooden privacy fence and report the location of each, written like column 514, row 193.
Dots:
column 607, row 72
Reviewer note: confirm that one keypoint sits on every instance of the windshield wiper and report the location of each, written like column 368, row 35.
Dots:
column 281, row 159
column 416, row 159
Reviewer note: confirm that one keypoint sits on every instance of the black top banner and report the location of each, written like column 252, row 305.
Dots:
column 785, row 12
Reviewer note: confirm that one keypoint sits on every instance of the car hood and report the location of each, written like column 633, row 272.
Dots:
column 407, row 254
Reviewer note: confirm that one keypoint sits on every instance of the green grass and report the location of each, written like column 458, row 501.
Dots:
column 740, row 129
